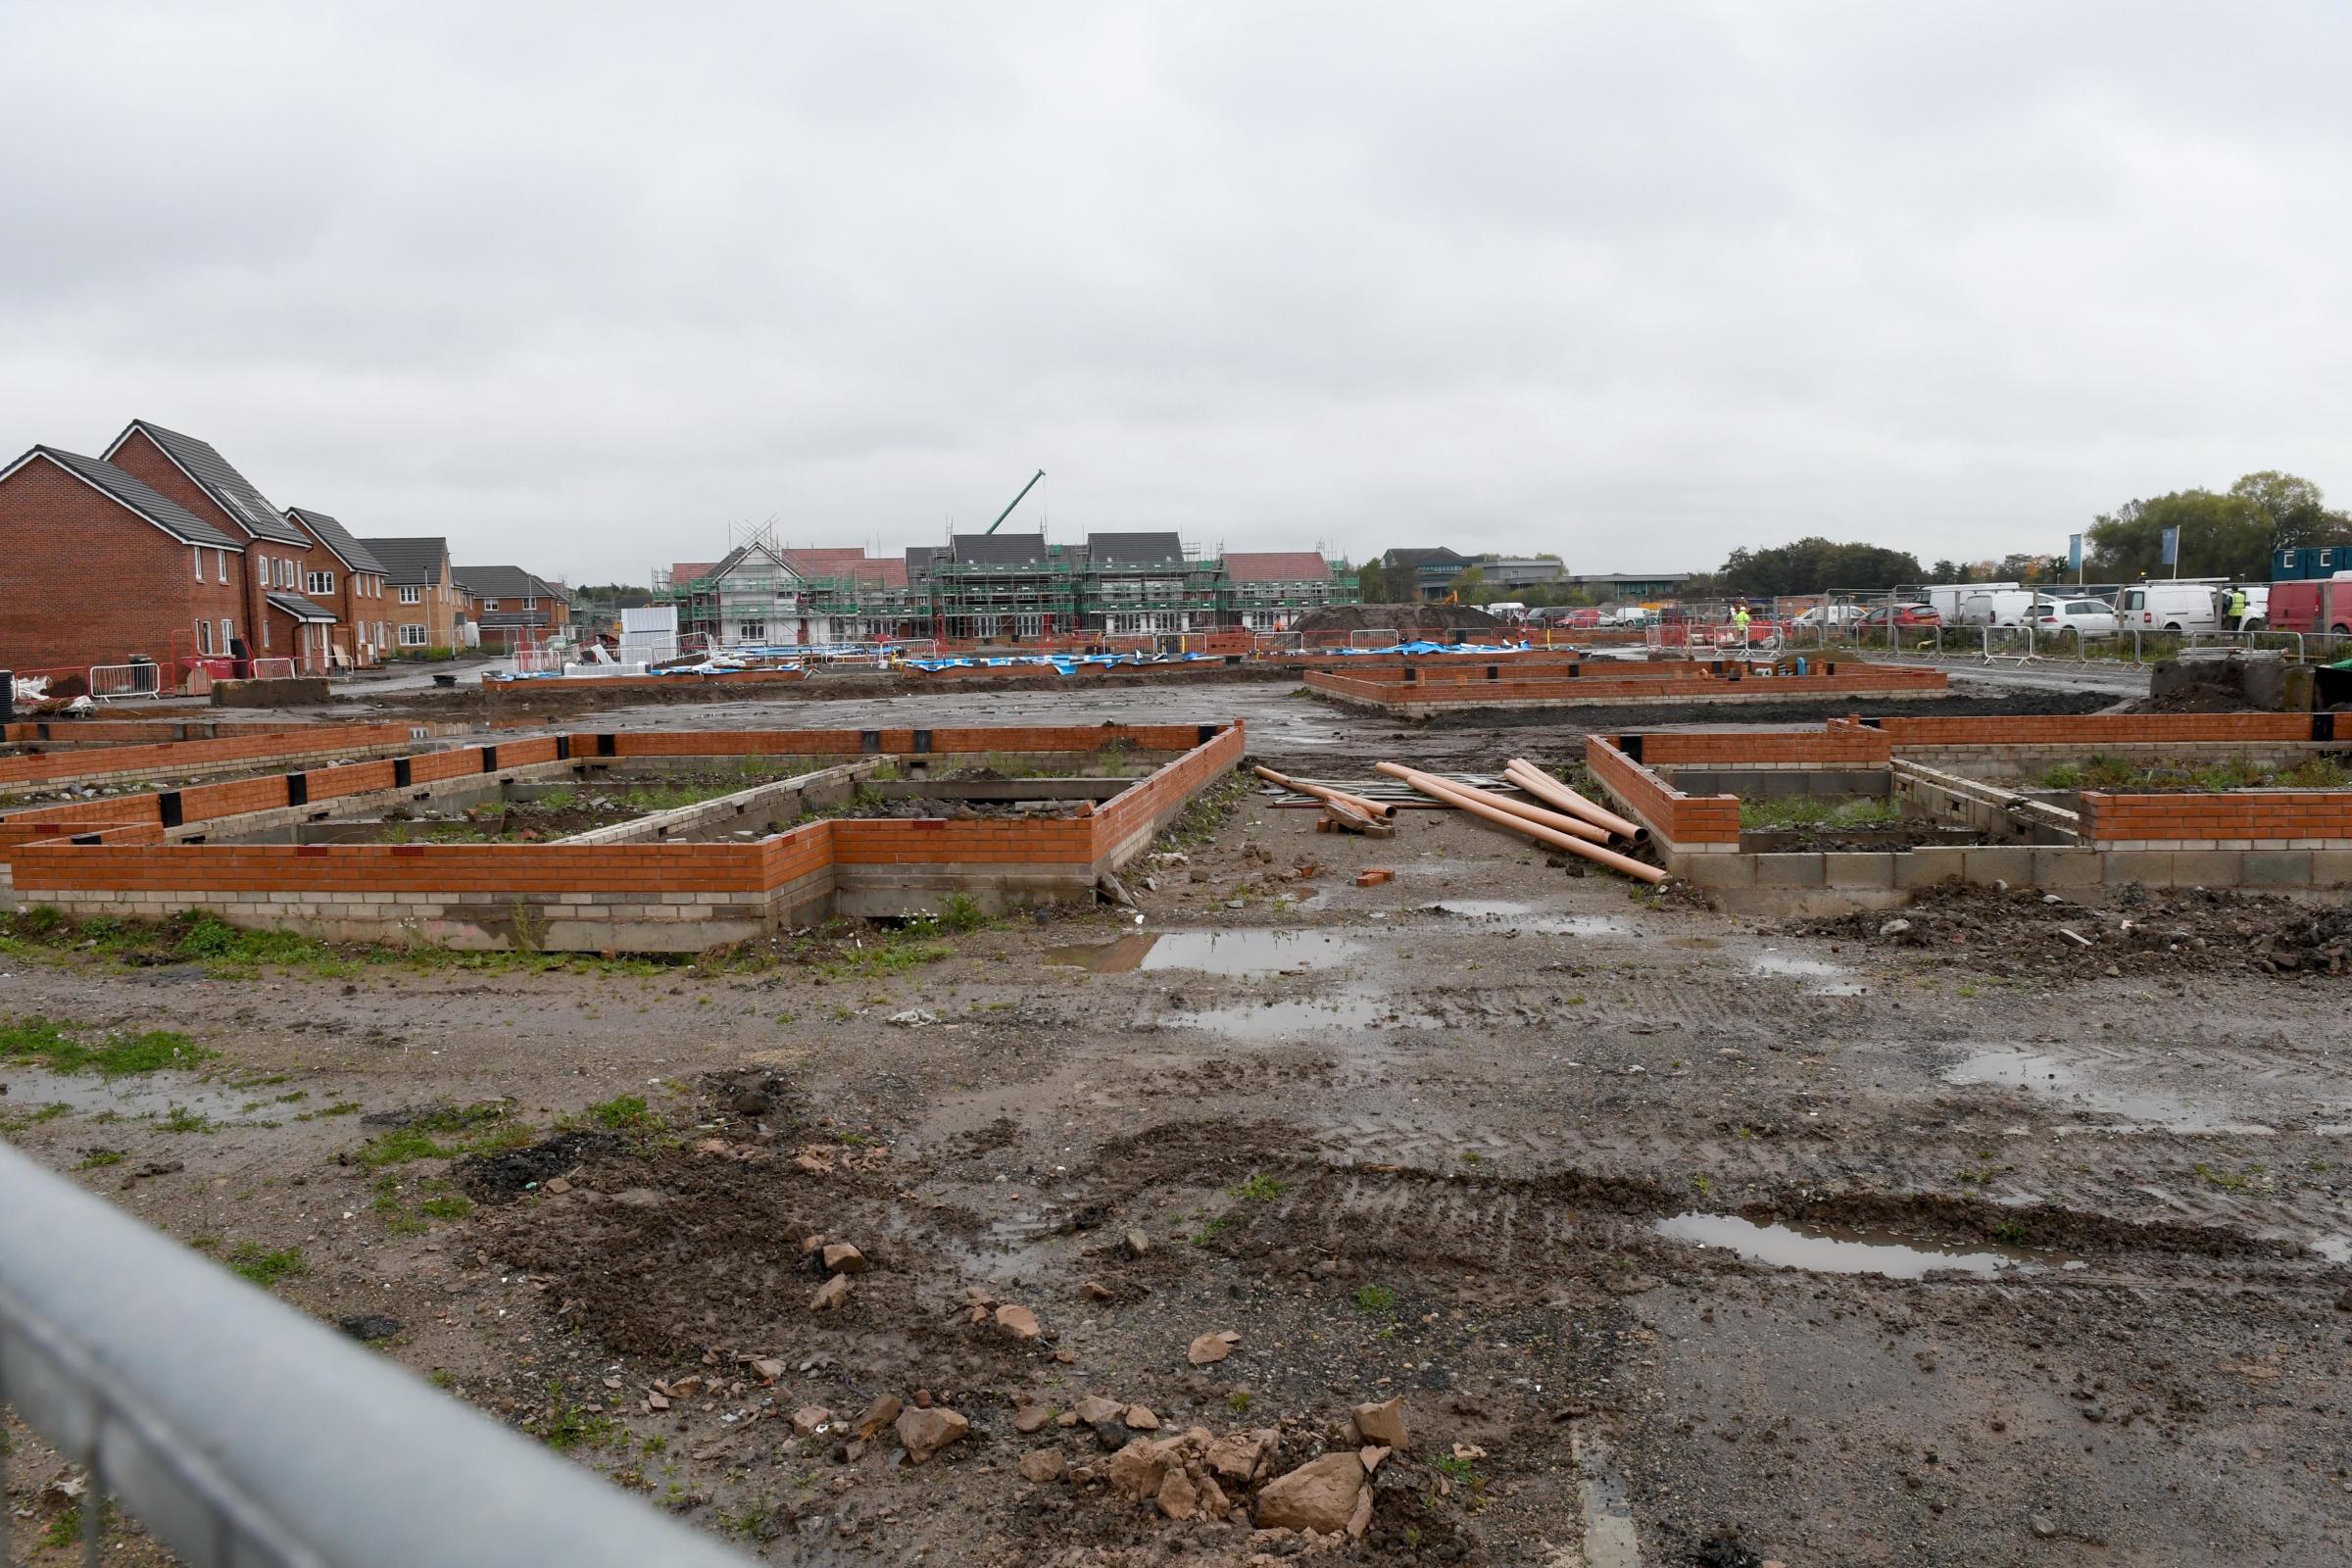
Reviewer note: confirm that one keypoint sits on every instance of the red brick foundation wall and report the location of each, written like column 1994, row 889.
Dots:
column 1683, row 820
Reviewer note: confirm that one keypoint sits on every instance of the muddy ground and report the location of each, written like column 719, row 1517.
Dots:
column 1572, row 1170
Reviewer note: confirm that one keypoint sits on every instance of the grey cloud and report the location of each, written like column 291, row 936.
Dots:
column 1633, row 283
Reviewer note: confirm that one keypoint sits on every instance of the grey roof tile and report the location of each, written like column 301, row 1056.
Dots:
column 1134, row 549
column 232, row 491
column 337, row 538
column 502, row 582
column 410, row 562
column 999, row 549
column 301, row 609
column 129, row 490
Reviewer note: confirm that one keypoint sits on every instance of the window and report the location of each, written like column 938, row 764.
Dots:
column 204, row 637
column 229, row 634
column 489, row 604
column 412, row 596
column 221, row 563
column 321, row 584
column 751, row 631
column 412, row 636
column 530, row 603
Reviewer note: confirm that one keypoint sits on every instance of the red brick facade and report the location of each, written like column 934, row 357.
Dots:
column 92, row 583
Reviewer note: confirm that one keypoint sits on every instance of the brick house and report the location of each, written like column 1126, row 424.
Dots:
column 513, row 606
column 1266, row 590
column 105, row 569
column 426, row 608
column 280, row 557
column 355, row 585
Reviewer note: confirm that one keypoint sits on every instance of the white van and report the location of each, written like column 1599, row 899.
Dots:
column 1944, row 597
column 1997, row 607
column 2188, row 605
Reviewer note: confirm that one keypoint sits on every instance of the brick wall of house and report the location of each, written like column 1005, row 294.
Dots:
column 1684, row 822
column 93, row 584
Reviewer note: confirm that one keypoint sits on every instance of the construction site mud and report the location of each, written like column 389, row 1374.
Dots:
column 1697, row 1236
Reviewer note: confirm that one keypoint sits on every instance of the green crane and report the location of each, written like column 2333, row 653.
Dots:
column 1016, row 500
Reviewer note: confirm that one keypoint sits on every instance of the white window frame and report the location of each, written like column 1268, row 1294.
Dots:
column 320, row 584
column 221, row 563
column 229, row 634
column 530, row 603
column 198, row 551
column 489, row 604
column 417, row 641
column 204, row 638
column 412, row 596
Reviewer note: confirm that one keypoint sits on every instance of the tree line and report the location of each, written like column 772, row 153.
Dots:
column 2223, row 533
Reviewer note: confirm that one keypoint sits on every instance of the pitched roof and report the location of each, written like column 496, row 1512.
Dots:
column 353, row 555
column 919, row 561
column 815, row 563
column 502, row 582
column 1277, row 565
column 682, row 572
column 214, row 475
column 410, row 562
column 1129, row 549
column 299, row 607
column 1438, row 555
column 998, row 549
column 135, row 495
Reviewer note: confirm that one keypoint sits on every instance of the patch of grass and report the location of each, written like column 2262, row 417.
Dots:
column 1212, row 1229
column 1818, row 811
column 37, row 1042
column 1260, row 1189
column 571, row 1426
column 626, row 1113
column 1238, row 1402
column 2011, row 1232
column 2121, row 775
column 66, row 1529
column 181, row 1119
column 264, row 1266
column 1375, row 1300
column 96, row 1158
column 34, row 1118
column 472, row 1130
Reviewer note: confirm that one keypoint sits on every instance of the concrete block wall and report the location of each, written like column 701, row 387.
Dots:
column 137, row 761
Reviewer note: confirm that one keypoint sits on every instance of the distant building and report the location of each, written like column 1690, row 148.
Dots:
column 991, row 587
column 511, row 607
column 1624, row 585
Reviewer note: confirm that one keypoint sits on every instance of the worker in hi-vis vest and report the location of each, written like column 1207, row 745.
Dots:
column 2235, row 610
column 1740, row 618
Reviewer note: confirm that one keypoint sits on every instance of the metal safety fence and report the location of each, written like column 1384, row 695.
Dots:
column 245, row 1435
column 115, row 682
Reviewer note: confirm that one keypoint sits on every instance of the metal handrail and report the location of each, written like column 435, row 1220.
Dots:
column 248, row 1435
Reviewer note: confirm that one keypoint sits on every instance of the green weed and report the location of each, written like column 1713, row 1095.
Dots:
column 1260, row 1189
column 1375, row 1300
column 264, row 1267
column 37, row 1042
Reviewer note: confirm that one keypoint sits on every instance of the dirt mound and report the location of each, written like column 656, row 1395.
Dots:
column 2025, row 932
column 1395, row 618
column 504, row 1176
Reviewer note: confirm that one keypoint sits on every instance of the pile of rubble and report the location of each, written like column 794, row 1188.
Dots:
column 2019, row 931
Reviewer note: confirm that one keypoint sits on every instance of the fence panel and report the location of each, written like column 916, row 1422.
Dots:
column 115, row 682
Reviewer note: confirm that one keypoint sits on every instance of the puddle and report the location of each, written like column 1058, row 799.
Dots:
column 1847, row 1251
column 2045, row 1077
column 1526, row 917
column 147, row 1094
column 1227, row 952
column 1829, row 979
column 1277, row 1021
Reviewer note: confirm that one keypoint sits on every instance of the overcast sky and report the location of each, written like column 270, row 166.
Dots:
column 580, row 286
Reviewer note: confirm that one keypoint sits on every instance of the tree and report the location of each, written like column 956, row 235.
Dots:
column 1470, row 586
column 1814, row 565
column 2220, row 536
column 1372, row 582
column 2295, row 510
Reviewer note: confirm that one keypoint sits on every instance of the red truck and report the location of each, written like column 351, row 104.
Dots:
column 2314, row 603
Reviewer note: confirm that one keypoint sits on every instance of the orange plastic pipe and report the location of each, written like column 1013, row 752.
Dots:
column 1378, row 811
column 1545, row 787
column 1490, row 807
column 1555, row 820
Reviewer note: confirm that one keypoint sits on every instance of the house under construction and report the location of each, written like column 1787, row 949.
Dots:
column 993, row 587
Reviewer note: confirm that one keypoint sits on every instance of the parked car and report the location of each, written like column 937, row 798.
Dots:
column 2188, row 606
column 2321, row 604
column 1997, row 606
column 1838, row 614
column 2073, row 617
column 1903, row 618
